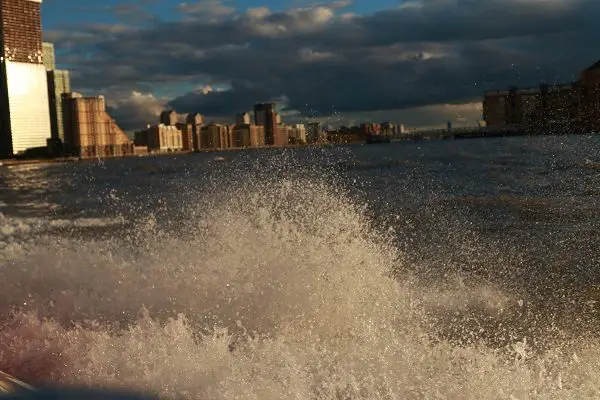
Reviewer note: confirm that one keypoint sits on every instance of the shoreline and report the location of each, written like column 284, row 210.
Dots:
column 410, row 138
column 9, row 162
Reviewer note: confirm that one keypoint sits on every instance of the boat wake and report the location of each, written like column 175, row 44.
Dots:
column 282, row 289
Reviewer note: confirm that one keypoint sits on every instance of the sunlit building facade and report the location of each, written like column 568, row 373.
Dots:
column 160, row 138
column 49, row 57
column 242, row 119
column 90, row 131
column 299, row 134
column 169, row 118
column 25, row 109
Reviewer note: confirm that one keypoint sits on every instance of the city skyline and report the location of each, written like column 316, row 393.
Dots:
column 419, row 62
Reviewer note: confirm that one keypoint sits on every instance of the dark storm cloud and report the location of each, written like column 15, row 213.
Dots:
column 239, row 99
column 423, row 53
column 469, row 20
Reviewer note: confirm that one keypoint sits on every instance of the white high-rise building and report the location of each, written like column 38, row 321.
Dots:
column 24, row 105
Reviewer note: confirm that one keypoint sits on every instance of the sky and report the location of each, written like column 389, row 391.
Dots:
column 342, row 62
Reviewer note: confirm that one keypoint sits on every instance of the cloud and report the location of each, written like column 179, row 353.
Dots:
column 418, row 55
column 130, row 12
column 205, row 10
column 134, row 110
column 263, row 23
column 470, row 20
column 239, row 97
column 339, row 4
column 309, row 55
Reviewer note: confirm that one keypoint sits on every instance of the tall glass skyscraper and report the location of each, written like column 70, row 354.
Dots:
column 24, row 105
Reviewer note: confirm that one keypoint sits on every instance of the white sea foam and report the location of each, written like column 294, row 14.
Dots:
column 22, row 226
column 277, row 290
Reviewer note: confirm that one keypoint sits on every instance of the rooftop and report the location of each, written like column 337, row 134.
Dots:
column 594, row 66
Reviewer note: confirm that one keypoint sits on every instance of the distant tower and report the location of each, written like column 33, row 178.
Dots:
column 265, row 115
column 242, row 119
column 260, row 112
column 313, row 132
column 168, row 117
column 59, row 83
column 24, row 109
column 49, row 58
column 196, row 121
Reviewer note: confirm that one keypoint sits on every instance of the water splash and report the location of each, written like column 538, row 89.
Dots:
column 281, row 289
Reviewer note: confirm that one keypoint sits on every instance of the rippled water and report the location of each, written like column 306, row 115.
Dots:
column 447, row 269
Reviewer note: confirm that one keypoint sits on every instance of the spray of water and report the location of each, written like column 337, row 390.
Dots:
column 282, row 289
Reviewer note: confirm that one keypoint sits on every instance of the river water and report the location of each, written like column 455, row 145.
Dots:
column 466, row 269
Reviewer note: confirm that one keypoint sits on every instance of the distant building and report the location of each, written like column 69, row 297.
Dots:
column 293, row 134
column 287, row 132
column 548, row 108
column 187, row 135
column 140, row 139
column 391, row 128
column 230, row 136
column 279, row 138
column 314, row 132
column 169, row 118
column 215, row 136
column 257, row 136
column 265, row 115
column 24, row 109
column 533, row 109
column 195, row 120
column 241, row 135
column 300, row 134
column 388, row 128
column 370, row 129
column 49, row 58
column 590, row 97
column 260, row 112
column 160, row 138
column 90, row 131
column 590, row 77
column 59, row 83
column 345, row 135
column 242, row 119
column 248, row 135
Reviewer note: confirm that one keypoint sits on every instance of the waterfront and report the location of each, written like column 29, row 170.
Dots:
column 493, row 245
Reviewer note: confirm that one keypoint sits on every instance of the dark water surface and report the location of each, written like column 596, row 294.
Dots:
column 493, row 247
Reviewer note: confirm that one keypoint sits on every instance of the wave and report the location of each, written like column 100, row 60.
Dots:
column 278, row 289
column 17, row 228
